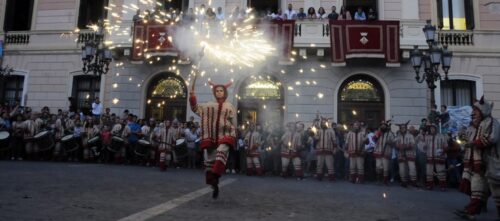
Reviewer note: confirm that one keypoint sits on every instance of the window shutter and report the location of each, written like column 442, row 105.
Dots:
column 440, row 13
column 469, row 14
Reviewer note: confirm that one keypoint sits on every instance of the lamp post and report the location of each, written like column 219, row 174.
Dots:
column 431, row 59
column 95, row 55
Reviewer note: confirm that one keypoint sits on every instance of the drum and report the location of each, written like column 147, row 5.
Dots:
column 179, row 142
column 70, row 143
column 94, row 141
column 116, row 144
column 142, row 148
column 143, row 142
column 4, row 135
column 44, row 140
column 4, row 140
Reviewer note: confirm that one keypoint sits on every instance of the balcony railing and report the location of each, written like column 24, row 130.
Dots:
column 87, row 35
column 17, row 37
column 456, row 38
column 359, row 39
column 312, row 33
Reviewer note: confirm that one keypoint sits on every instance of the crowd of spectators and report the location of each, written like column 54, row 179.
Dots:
column 96, row 121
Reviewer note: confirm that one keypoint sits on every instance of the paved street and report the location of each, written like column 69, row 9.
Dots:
column 69, row 191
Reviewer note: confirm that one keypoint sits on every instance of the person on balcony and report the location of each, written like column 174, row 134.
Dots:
column 344, row 14
column 279, row 15
column 210, row 14
column 220, row 15
column 321, row 13
column 372, row 15
column 301, row 15
column 311, row 13
column 290, row 13
column 360, row 15
column 333, row 15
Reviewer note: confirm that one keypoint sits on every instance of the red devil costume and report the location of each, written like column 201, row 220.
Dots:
column 217, row 132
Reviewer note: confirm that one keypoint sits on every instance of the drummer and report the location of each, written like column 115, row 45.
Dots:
column 58, row 134
column 5, row 124
column 88, row 134
column 116, row 131
column 77, row 133
column 30, row 145
column 16, row 142
column 173, row 134
column 147, row 130
column 69, row 124
column 132, row 133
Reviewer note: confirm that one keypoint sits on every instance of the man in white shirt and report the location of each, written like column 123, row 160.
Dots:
column 220, row 15
column 97, row 108
column 290, row 13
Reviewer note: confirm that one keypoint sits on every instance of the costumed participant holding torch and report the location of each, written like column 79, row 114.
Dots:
column 218, row 132
column 481, row 159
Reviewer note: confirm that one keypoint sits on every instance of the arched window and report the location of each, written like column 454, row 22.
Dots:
column 361, row 98
column 167, row 97
column 260, row 100
column 360, row 90
column 169, row 87
column 262, row 89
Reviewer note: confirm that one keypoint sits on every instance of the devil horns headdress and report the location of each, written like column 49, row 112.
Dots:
column 224, row 86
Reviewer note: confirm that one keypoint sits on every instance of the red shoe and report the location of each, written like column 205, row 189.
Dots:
column 352, row 178
column 442, row 185
column 260, row 172
column 163, row 166
column 331, row 177
column 361, row 179
column 386, row 180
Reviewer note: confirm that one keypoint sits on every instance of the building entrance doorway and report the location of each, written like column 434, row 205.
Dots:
column 166, row 97
column 260, row 101
column 361, row 98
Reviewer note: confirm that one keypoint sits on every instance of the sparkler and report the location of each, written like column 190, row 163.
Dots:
column 228, row 42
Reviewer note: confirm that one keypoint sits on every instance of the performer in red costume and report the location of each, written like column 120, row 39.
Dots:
column 218, row 132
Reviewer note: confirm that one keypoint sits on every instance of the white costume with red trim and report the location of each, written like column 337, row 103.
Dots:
column 218, row 133
column 325, row 148
column 253, row 141
column 290, row 143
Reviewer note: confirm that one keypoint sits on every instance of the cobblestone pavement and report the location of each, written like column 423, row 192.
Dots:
column 73, row 191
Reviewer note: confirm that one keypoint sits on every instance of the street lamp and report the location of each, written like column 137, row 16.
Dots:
column 431, row 58
column 95, row 55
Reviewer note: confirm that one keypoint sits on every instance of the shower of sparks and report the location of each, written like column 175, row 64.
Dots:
column 231, row 42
